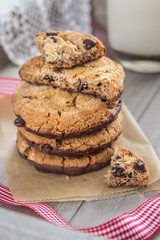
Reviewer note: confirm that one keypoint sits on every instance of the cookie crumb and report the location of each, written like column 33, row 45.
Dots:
column 67, row 178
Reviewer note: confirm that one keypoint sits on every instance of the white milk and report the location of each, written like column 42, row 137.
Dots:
column 134, row 26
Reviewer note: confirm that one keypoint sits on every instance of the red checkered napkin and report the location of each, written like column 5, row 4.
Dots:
column 7, row 85
column 137, row 225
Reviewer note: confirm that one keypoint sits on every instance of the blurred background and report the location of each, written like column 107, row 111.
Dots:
column 20, row 20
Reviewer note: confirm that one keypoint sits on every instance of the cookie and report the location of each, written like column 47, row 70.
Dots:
column 127, row 169
column 102, row 77
column 84, row 145
column 64, row 165
column 65, row 50
column 56, row 113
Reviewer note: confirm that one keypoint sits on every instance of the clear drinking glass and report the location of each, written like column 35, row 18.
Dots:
column 134, row 33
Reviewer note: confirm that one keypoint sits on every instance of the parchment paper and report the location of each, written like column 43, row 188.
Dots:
column 29, row 185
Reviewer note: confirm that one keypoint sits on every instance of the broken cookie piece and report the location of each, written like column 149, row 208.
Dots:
column 127, row 169
column 68, row 49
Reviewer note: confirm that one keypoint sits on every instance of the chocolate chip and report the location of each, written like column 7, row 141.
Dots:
column 19, row 122
column 51, row 34
column 67, row 102
column 117, row 170
column 103, row 100
column 129, row 174
column 82, row 86
column 54, row 39
column 99, row 84
column 139, row 166
column 46, row 148
column 49, row 79
column 88, row 44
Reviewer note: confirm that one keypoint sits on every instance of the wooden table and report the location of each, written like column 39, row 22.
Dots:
column 142, row 96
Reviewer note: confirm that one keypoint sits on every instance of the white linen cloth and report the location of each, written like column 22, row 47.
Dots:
column 21, row 20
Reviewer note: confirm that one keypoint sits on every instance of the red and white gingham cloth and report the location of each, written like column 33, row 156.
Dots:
column 140, row 224
column 7, row 85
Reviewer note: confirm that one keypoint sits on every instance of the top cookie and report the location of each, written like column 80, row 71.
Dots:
column 68, row 49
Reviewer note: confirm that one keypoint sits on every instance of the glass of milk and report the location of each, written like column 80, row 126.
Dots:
column 134, row 33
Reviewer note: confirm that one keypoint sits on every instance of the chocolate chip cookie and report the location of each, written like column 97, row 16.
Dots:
column 84, row 145
column 65, row 50
column 127, row 169
column 102, row 77
column 56, row 113
column 64, row 165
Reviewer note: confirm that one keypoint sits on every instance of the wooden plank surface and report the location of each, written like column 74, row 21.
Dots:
column 150, row 121
column 14, row 226
column 140, row 90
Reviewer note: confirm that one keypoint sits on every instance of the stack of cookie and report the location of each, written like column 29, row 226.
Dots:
column 68, row 104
